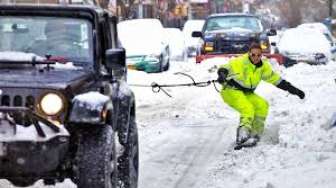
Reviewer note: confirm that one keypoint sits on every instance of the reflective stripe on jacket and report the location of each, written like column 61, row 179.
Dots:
column 247, row 75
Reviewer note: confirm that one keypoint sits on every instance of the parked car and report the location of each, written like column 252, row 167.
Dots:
column 321, row 28
column 188, row 28
column 305, row 45
column 231, row 33
column 177, row 45
column 62, row 112
column 146, row 45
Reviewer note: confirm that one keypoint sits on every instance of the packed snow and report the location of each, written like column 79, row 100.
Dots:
column 297, row 150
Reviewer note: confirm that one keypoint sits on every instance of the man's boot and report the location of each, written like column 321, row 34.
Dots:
column 252, row 141
column 243, row 134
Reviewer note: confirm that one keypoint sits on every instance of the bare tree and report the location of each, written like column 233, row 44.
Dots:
column 295, row 12
column 127, row 8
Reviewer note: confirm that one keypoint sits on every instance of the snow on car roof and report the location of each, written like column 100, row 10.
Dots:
column 303, row 40
column 193, row 25
column 137, row 38
column 317, row 26
column 144, row 21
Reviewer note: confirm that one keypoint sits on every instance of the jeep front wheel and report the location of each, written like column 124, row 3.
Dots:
column 96, row 158
column 128, row 162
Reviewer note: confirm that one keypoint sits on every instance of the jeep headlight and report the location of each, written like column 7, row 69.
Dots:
column 51, row 104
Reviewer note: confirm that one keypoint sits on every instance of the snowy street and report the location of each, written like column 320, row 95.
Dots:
column 186, row 140
column 128, row 94
column 189, row 137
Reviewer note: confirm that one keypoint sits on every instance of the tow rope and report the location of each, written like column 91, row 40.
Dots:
column 156, row 88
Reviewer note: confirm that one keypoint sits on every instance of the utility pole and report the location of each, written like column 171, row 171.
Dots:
column 330, row 8
column 189, row 10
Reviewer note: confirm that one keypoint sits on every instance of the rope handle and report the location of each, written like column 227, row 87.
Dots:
column 156, row 88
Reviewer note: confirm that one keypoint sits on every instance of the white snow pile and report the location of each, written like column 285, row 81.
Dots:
column 66, row 66
column 92, row 100
column 19, row 56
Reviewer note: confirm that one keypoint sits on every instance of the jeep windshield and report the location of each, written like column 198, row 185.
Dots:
column 232, row 22
column 68, row 38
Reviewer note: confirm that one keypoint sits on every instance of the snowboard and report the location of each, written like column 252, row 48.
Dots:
column 244, row 145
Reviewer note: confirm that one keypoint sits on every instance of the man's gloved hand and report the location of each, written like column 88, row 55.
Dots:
column 222, row 74
column 300, row 93
column 291, row 89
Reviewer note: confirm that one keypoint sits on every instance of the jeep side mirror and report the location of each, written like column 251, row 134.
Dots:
column 115, row 58
column 197, row 34
column 271, row 32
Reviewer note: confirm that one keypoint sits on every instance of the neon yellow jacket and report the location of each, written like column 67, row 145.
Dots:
column 247, row 75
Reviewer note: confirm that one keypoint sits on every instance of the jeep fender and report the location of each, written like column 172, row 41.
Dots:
column 124, row 104
column 90, row 108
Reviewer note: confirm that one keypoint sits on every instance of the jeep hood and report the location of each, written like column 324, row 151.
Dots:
column 34, row 78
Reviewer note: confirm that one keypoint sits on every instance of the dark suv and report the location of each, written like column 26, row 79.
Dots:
column 231, row 33
column 66, row 110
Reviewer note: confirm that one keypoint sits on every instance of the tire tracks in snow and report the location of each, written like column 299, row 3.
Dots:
column 180, row 158
column 201, row 158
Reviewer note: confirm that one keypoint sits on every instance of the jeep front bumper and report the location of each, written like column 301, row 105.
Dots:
column 30, row 150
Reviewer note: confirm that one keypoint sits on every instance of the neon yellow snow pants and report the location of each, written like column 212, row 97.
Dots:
column 253, row 109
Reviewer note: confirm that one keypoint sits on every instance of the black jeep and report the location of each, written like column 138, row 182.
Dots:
column 231, row 33
column 66, row 110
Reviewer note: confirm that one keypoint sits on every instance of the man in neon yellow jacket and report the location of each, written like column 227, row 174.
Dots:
column 239, row 78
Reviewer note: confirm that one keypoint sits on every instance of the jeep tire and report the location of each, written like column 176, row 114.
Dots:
column 96, row 158
column 128, row 162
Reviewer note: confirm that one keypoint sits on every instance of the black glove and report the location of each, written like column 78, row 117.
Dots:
column 284, row 85
column 222, row 74
column 300, row 93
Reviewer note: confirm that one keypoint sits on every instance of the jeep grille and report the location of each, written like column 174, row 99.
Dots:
column 19, row 101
